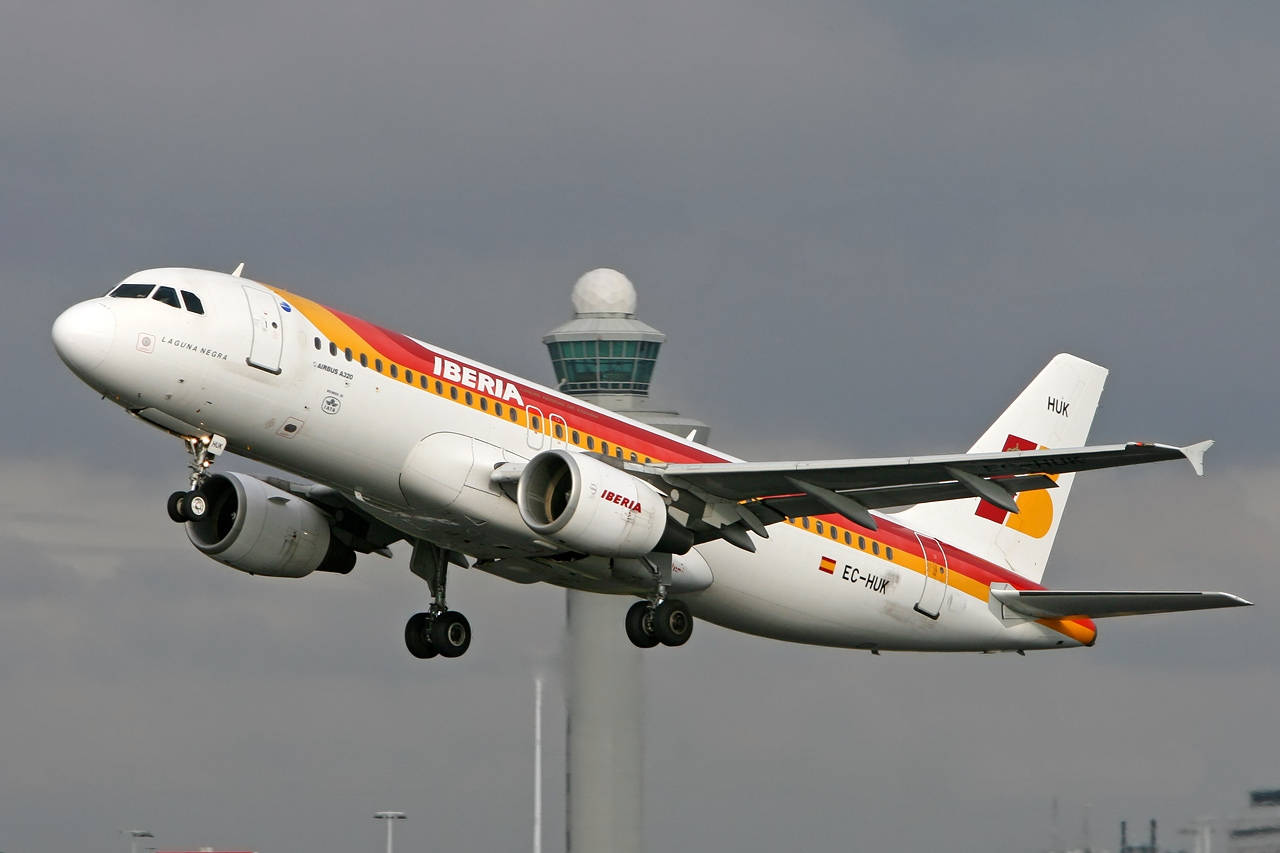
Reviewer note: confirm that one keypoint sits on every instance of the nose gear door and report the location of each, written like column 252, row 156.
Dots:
column 268, row 338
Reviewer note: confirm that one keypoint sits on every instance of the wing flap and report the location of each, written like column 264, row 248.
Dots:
column 796, row 506
column 1097, row 604
column 739, row 481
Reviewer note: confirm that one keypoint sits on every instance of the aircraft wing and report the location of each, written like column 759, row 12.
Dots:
column 750, row 495
column 1055, row 604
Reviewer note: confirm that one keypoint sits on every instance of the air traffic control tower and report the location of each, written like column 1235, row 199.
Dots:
column 605, row 356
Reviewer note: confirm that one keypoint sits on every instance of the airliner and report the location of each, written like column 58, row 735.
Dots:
column 395, row 439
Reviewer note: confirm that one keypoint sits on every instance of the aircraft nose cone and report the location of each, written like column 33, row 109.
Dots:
column 82, row 335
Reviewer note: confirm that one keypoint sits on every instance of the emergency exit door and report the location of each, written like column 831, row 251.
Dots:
column 935, row 577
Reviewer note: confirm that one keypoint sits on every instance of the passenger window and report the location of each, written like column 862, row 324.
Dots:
column 535, row 423
column 333, row 348
column 168, row 296
column 347, row 353
column 888, row 553
column 617, row 451
column 395, row 372
column 484, row 404
column 408, row 376
column 835, row 534
column 848, row 538
column 805, row 522
column 317, row 343
column 467, row 398
column 875, row 548
column 497, row 409
column 377, row 362
column 604, row 448
column 439, row 387
column 453, row 391
column 133, row 291
column 513, row 415
column 817, row 525
column 577, row 437
column 591, row 442
column 364, row 360
column 422, row 380
column 559, row 431
column 194, row 305
column 862, row 543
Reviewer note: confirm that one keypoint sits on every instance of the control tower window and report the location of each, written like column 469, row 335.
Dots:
column 133, row 291
column 194, row 305
column 168, row 296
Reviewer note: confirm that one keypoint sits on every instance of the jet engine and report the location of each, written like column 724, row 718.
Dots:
column 590, row 507
column 259, row 529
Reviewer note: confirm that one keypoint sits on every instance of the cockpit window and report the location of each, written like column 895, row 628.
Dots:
column 194, row 305
column 133, row 291
column 168, row 296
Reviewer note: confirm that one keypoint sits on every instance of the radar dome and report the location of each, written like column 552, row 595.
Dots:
column 604, row 291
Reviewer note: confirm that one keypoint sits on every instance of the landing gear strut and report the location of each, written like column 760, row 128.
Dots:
column 439, row 631
column 193, row 505
column 661, row 619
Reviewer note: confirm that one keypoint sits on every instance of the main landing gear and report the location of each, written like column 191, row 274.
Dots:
column 193, row 504
column 659, row 619
column 439, row 631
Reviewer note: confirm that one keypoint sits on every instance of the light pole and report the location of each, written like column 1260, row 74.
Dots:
column 135, row 834
column 390, row 818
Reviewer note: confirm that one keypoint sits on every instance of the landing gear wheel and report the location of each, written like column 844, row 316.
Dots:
column 176, row 506
column 196, row 505
column 417, row 637
column 451, row 633
column 640, row 625
column 672, row 623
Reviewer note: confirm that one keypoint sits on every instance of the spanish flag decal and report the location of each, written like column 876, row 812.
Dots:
column 828, row 565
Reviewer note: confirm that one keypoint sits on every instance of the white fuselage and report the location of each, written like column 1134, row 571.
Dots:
column 269, row 371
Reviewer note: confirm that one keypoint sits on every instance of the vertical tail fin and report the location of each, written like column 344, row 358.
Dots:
column 1055, row 410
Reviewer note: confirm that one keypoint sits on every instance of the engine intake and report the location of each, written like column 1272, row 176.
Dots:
column 261, row 530
column 591, row 507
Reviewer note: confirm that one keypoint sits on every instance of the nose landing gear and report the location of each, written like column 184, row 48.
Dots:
column 193, row 505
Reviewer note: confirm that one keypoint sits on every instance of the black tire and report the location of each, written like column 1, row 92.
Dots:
column 640, row 626
column 672, row 623
column 177, row 507
column 451, row 634
column 196, row 505
column 417, row 637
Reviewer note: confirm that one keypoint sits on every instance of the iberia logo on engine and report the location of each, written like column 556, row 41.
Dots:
column 1035, row 508
column 615, row 498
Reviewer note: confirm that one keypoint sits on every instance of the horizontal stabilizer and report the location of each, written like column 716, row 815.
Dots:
column 1055, row 604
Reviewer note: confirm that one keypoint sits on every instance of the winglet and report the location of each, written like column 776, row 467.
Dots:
column 1195, row 455
column 239, row 270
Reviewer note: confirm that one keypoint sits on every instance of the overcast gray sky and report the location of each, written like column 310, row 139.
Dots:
column 864, row 226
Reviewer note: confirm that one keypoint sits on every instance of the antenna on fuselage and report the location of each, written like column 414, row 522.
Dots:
column 239, row 270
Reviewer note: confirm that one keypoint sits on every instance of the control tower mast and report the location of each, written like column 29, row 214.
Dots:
column 606, row 356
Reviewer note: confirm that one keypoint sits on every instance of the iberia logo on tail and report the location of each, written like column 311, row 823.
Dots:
column 1035, row 508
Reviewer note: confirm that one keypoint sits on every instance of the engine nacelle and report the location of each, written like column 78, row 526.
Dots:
column 259, row 529
column 591, row 507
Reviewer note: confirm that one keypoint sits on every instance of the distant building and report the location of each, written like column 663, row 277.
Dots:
column 1258, row 831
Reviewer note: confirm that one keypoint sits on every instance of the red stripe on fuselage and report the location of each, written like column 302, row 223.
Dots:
column 409, row 353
